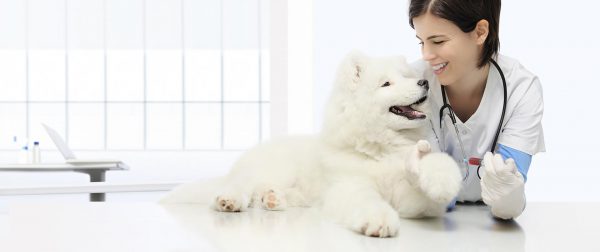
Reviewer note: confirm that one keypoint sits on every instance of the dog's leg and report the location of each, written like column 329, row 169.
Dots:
column 356, row 204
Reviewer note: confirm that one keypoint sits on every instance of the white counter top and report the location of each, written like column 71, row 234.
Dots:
column 152, row 227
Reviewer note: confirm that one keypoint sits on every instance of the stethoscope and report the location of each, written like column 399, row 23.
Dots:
column 447, row 106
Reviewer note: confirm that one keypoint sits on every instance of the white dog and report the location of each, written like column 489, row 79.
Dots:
column 367, row 168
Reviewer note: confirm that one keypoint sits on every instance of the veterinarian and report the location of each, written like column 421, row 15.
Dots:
column 487, row 108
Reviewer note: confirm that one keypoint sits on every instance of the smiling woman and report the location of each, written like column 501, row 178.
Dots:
column 459, row 41
column 486, row 10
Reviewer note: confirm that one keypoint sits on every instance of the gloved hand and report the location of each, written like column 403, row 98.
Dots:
column 502, row 186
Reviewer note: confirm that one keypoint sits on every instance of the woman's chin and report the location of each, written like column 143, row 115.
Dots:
column 444, row 81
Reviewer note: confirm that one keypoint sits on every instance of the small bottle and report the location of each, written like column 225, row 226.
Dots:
column 16, row 147
column 24, row 155
column 35, row 153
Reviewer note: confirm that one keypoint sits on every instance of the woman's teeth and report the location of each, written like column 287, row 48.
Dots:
column 439, row 66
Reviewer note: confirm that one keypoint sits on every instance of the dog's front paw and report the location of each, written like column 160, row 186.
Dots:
column 421, row 148
column 377, row 222
column 440, row 177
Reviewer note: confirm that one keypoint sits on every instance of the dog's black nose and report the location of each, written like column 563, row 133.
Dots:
column 424, row 84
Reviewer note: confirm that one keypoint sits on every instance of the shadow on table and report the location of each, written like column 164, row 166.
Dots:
column 304, row 229
column 468, row 228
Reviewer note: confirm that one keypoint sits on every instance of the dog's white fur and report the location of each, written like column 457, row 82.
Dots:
column 367, row 168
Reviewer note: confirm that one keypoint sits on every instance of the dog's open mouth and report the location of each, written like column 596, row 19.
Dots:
column 408, row 111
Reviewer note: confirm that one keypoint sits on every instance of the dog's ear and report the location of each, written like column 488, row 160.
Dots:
column 354, row 66
column 405, row 69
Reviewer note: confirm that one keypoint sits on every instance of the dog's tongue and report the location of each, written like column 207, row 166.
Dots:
column 409, row 112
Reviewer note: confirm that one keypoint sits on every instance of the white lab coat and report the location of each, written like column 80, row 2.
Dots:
column 521, row 129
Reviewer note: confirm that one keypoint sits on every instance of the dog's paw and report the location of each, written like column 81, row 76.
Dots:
column 228, row 204
column 421, row 148
column 273, row 200
column 440, row 177
column 378, row 222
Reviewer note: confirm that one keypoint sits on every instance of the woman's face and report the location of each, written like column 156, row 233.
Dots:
column 451, row 53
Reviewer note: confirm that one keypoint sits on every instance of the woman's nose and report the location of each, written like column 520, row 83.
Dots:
column 427, row 54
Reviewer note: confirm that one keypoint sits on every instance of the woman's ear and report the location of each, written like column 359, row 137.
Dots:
column 482, row 29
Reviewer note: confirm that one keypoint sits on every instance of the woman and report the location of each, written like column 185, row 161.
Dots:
column 459, row 43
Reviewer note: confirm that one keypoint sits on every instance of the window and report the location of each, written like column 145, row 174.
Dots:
column 130, row 75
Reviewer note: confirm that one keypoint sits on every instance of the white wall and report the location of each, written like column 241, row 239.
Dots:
column 556, row 40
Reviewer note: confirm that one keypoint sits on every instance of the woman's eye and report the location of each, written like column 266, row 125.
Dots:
column 438, row 42
column 387, row 83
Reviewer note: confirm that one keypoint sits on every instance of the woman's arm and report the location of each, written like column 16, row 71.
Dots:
column 503, row 189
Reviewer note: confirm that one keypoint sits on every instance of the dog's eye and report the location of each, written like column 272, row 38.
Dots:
column 387, row 83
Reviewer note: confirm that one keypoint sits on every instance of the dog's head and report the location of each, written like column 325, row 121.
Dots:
column 383, row 92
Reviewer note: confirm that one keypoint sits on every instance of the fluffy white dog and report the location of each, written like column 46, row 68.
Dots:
column 366, row 169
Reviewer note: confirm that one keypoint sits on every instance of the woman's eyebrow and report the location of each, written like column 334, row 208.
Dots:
column 432, row 37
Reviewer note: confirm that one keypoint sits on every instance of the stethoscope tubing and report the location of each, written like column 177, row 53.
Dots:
column 453, row 118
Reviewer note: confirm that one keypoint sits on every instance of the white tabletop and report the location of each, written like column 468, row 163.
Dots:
column 152, row 227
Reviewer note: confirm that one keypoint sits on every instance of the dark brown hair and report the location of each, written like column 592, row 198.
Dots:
column 465, row 14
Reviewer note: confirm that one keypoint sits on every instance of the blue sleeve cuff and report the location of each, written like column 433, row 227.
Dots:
column 452, row 205
column 522, row 159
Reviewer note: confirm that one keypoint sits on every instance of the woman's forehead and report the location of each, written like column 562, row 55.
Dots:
column 428, row 25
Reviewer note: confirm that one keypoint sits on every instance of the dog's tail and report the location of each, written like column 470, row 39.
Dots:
column 199, row 192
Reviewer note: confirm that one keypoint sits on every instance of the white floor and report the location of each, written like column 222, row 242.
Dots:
column 146, row 226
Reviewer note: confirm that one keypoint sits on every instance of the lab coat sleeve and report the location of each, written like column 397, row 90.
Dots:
column 523, row 129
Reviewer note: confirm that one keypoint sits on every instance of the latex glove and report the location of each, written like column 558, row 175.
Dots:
column 502, row 186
